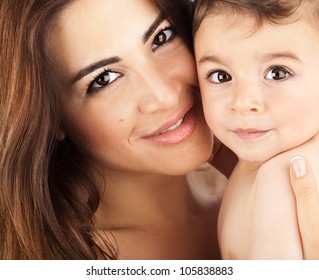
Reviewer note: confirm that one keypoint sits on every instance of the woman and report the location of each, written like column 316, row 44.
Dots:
column 100, row 122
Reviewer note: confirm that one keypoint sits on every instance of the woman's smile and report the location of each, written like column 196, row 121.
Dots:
column 176, row 133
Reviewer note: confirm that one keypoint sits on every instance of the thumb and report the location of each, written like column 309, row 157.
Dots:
column 307, row 203
column 302, row 180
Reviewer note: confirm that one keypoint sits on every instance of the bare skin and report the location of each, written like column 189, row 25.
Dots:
column 182, row 225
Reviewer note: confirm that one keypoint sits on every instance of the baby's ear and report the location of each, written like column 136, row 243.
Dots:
column 60, row 135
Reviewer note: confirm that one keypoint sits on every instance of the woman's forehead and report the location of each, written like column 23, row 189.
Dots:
column 89, row 30
column 87, row 11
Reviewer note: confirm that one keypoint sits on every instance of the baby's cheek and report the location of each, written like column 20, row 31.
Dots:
column 211, row 115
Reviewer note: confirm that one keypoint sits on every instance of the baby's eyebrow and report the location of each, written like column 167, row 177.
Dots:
column 209, row 58
column 285, row 55
column 262, row 57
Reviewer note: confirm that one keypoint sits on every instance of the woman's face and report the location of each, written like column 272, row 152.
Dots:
column 129, row 93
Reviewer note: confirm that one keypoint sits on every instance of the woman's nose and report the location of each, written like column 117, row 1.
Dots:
column 159, row 90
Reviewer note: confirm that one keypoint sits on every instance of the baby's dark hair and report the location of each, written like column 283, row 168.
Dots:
column 271, row 11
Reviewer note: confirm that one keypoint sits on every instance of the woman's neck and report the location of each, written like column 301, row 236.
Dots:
column 144, row 202
column 161, row 217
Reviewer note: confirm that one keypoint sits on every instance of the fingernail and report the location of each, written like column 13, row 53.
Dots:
column 299, row 166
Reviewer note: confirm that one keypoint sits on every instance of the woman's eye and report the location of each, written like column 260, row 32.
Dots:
column 164, row 36
column 218, row 77
column 103, row 80
column 277, row 73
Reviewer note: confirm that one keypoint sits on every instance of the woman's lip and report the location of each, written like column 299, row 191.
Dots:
column 178, row 134
column 167, row 125
column 174, row 126
column 250, row 133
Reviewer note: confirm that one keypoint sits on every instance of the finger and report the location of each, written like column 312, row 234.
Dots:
column 307, row 203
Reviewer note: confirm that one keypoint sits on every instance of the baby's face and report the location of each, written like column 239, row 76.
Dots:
column 260, row 89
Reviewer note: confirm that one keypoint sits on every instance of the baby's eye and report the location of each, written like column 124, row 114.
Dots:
column 277, row 73
column 164, row 36
column 103, row 80
column 219, row 76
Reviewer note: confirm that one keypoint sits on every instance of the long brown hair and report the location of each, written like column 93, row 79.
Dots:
column 47, row 196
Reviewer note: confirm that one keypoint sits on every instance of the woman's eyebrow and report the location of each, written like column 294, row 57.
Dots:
column 102, row 63
column 149, row 32
column 94, row 66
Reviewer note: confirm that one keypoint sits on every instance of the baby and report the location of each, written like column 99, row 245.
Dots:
column 258, row 68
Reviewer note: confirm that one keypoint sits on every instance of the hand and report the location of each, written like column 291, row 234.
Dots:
column 307, row 203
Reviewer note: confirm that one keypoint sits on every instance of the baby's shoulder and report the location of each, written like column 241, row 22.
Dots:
column 280, row 163
column 275, row 172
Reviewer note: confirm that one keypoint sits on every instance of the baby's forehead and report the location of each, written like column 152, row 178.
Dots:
column 257, row 20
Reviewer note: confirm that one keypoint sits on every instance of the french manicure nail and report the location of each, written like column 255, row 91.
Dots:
column 299, row 166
